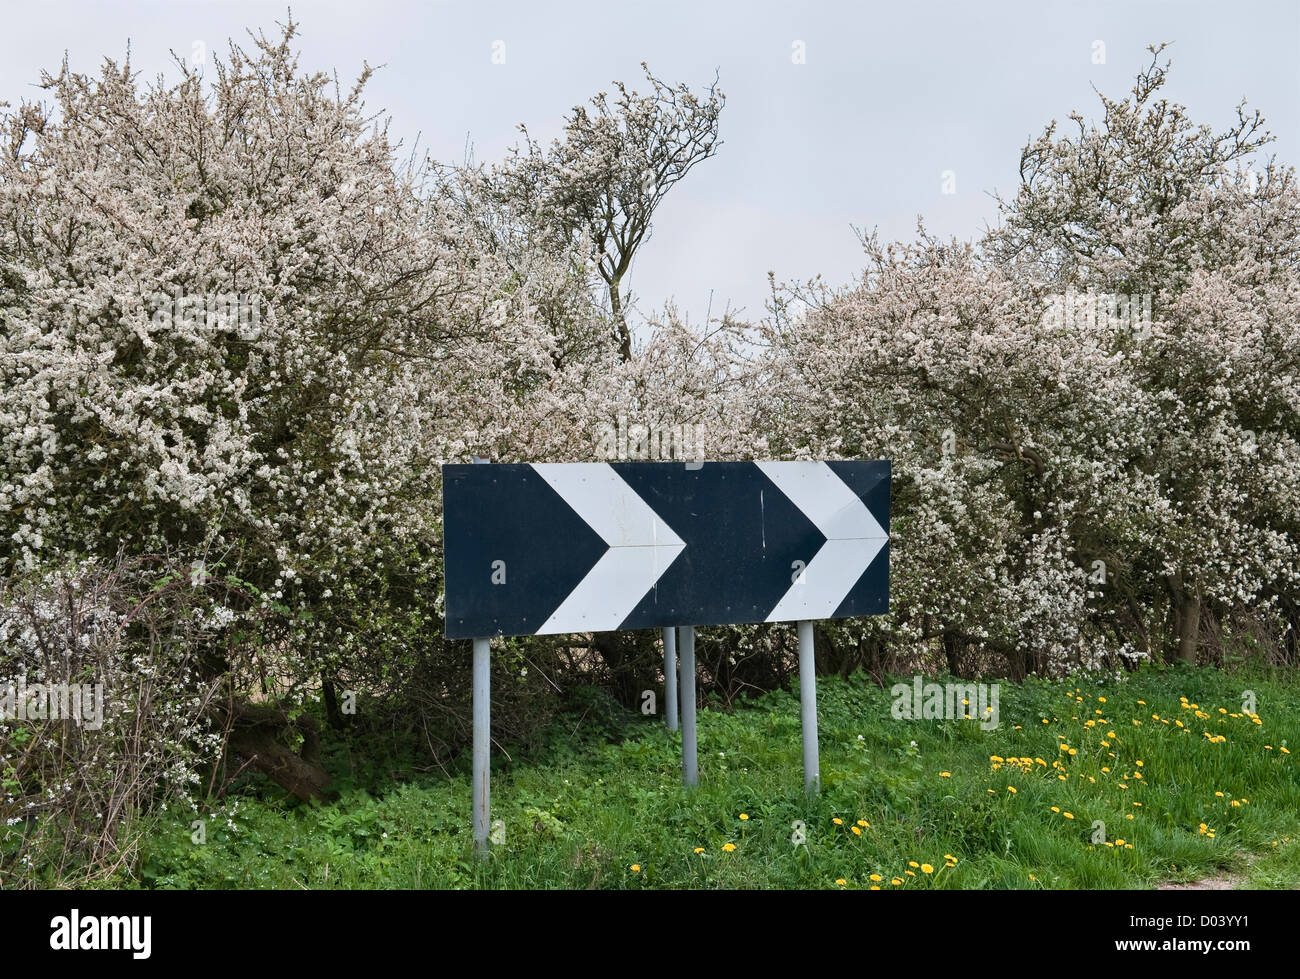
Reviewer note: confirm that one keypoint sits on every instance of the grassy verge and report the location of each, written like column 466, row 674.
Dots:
column 1087, row 784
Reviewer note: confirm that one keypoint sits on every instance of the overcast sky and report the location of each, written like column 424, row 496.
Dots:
column 890, row 95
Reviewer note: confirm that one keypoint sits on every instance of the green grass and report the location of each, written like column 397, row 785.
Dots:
column 585, row 811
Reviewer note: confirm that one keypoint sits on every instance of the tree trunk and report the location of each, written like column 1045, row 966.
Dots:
column 1189, row 625
column 332, row 715
column 255, row 733
column 620, row 323
column 871, row 657
column 630, row 659
column 1185, row 602
column 951, row 651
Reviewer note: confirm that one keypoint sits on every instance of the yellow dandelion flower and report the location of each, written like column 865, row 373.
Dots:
column 744, row 815
column 926, row 868
column 945, row 774
column 841, row 881
column 636, row 868
column 728, row 847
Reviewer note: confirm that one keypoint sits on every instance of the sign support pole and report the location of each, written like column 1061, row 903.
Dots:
column 670, row 676
column 481, row 788
column 482, row 743
column 808, row 706
column 690, row 759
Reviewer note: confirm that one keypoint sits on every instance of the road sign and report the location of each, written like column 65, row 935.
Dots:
column 590, row 547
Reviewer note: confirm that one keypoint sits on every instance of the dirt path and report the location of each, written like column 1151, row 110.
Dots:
column 1228, row 881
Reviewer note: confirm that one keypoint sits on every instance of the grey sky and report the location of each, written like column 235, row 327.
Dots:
column 890, row 96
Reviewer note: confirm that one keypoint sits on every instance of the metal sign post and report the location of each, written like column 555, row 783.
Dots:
column 808, row 706
column 554, row 548
column 670, row 676
column 481, row 787
column 482, row 742
column 690, row 755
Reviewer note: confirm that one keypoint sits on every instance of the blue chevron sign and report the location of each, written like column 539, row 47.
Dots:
column 592, row 547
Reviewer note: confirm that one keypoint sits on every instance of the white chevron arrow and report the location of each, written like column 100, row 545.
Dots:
column 641, row 547
column 853, row 538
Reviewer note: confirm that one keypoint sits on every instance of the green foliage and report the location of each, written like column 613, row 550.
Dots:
column 582, row 811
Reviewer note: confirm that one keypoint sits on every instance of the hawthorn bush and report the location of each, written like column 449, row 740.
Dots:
column 1092, row 411
column 238, row 330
